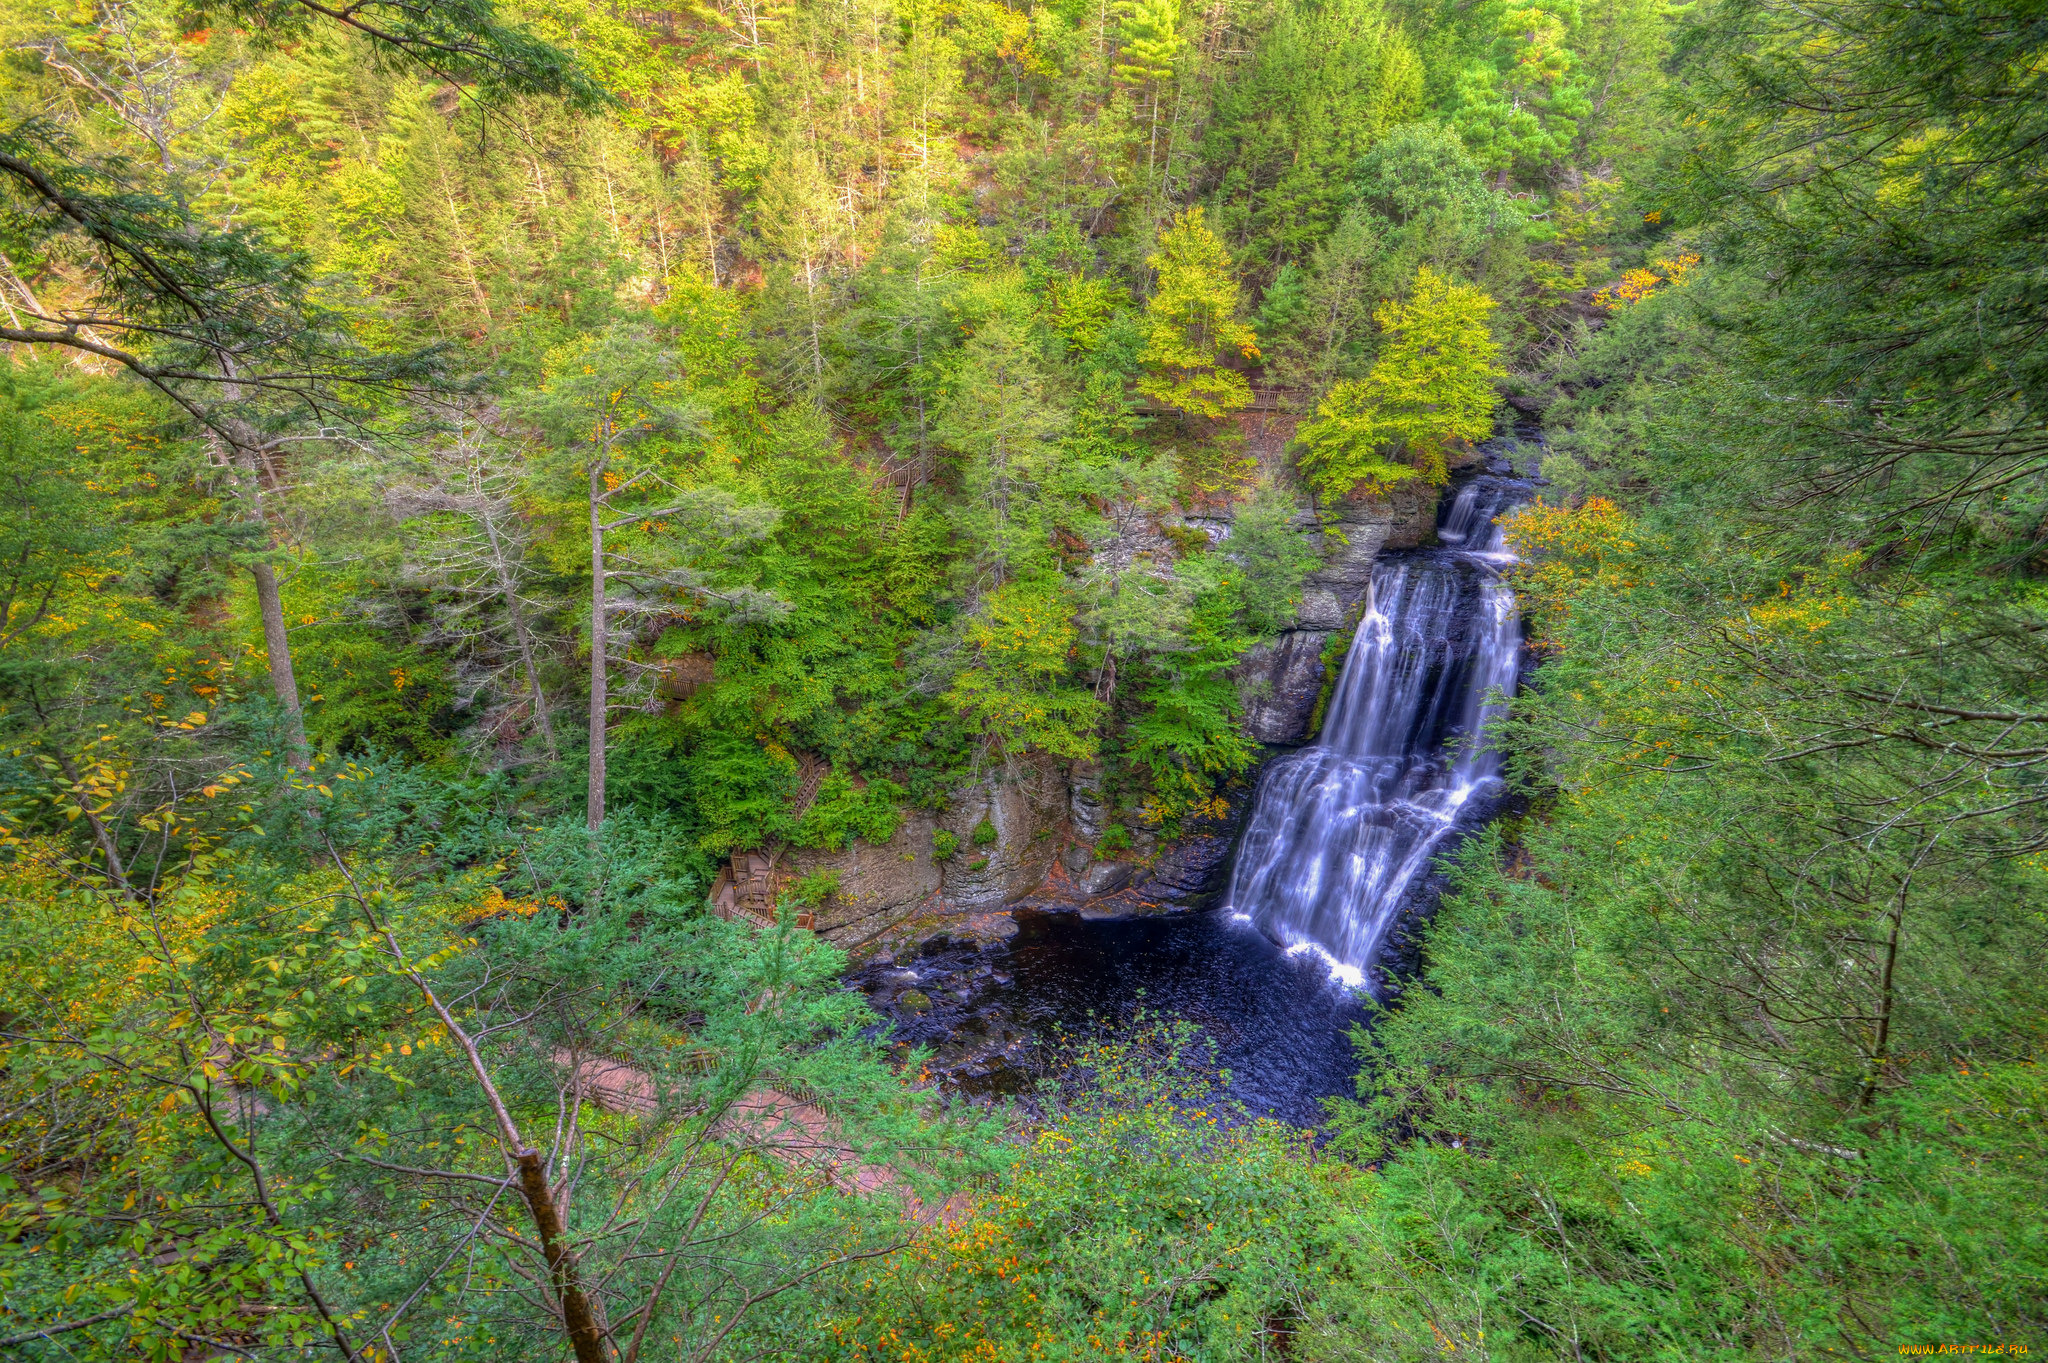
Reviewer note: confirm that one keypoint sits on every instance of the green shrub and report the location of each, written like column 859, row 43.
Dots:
column 985, row 833
column 743, row 790
column 844, row 811
column 1115, row 838
column 808, row 892
column 1186, row 540
column 373, row 696
column 944, row 844
column 1140, row 1178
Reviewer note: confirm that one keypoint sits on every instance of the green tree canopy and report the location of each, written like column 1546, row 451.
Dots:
column 1192, row 323
column 1322, row 84
column 1015, row 693
column 1432, row 384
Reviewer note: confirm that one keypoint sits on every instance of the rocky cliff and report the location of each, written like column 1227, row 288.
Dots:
column 1281, row 679
column 888, row 889
column 1048, row 817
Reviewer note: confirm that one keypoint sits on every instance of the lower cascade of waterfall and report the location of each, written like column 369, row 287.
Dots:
column 1341, row 830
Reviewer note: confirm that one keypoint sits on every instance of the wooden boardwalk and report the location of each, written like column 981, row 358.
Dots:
column 1265, row 398
column 794, row 1131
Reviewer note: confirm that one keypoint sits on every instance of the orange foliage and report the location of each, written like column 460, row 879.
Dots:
column 1633, row 287
column 495, row 902
column 1678, row 267
column 1564, row 550
column 1637, row 285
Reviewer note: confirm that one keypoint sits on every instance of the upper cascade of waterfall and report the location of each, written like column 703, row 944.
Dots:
column 1341, row 830
column 1468, row 521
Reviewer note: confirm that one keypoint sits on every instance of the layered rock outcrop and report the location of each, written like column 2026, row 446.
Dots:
column 1029, row 808
column 1281, row 679
column 1049, row 817
column 884, row 887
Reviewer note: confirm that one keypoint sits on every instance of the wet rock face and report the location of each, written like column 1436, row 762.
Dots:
column 1104, row 877
column 1282, row 680
column 1404, row 519
column 1088, row 818
column 1190, row 872
column 1185, row 874
column 1086, row 809
column 1028, row 807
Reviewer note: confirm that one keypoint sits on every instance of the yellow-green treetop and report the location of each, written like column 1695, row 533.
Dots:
column 1432, row 383
column 1193, row 322
column 1015, row 693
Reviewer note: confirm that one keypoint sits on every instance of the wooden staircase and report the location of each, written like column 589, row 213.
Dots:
column 745, row 889
column 746, row 884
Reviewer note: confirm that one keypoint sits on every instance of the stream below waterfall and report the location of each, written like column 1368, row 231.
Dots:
column 1339, row 847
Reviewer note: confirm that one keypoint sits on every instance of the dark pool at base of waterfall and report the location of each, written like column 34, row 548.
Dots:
column 1278, row 1023
column 1336, row 851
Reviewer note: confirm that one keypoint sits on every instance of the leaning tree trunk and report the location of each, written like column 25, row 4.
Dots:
column 565, row 1277
column 277, row 643
column 599, row 648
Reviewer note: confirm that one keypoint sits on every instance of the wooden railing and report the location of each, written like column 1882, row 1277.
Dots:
column 745, row 889
column 1265, row 398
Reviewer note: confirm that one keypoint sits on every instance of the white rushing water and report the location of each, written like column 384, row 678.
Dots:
column 1340, row 830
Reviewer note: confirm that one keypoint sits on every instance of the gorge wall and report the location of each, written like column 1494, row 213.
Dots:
column 1050, row 815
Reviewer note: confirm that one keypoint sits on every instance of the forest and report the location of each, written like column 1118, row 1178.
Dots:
column 475, row 474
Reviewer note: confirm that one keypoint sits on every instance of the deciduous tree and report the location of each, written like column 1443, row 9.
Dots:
column 1192, row 324
column 1017, row 693
column 1432, row 384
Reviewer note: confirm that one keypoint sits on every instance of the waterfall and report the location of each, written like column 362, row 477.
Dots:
column 1340, row 830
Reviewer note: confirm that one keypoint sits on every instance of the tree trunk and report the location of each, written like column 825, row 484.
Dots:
column 248, row 484
column 277, row 643
column 599, row 645
column 115, row 872
column 817, row 339
column 1880, row 1050
column 1152, row 152
column 584, row 1336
